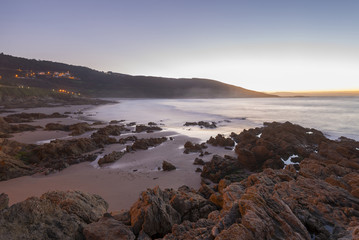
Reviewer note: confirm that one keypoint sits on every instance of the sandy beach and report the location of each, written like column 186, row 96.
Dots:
column 119, row 183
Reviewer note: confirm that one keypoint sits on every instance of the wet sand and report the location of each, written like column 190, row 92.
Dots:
column 119, row 183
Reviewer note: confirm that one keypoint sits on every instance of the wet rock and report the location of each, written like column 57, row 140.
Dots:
column 201, row 124
column 148, row 129
column 198, row 161
column 75, row 129
column 111, row 157
column 221, row 141
column 190, row 147
column 108, row 228
column 198, row 170
column 127, row 139
column 4, row 201
column 55, row 215
column 166, row 166
column 219, row 167
column 112, row 130
column 29, row 117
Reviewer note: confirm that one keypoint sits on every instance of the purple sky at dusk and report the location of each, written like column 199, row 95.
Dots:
column 262, row 45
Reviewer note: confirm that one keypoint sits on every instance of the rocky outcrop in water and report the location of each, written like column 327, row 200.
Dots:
column 148, row 129
column 201, row 124
column 55, row 215
column 221, row 141
column 110, row 158
column 29, row 117
column 190, row 147
column 75, row 129
column 145, row 143
column 166, row 166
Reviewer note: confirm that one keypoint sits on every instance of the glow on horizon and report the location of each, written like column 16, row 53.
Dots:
column 260, row 45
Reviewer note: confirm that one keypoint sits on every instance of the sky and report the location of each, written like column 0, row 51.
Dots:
column 277, row 45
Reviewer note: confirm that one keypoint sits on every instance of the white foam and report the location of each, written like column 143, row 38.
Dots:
column 357, row 149
column 289, row 160
column 309, row 133
column 259, row 135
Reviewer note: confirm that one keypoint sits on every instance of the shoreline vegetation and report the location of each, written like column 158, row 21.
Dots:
column 279, row 181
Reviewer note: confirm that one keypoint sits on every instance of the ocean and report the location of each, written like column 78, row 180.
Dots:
column 334, row 116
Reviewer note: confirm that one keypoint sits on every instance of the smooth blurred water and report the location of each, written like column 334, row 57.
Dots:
column 335, row 116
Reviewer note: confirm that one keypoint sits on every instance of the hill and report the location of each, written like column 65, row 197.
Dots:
column 77, row 79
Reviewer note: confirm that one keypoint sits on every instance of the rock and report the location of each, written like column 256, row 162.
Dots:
column 198, row 161
column 190, row 147
column 198, row 170
column 123, row 216
column 148, row 129
column 221, row 141
column 127, row 139
column 4, row 201
column 153, row 213
column 201, row 124
column 29, row 117
column 56, row 215
column 166, row 166
column 145, row 143
column 75, row 129
column 220, row 167
column 108, row 228
column 112, row 130
column 109, row 158
column 191, row 230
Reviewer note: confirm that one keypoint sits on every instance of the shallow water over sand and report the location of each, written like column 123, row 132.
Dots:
column 335, row 116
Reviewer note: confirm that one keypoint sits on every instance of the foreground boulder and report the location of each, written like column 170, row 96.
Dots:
column 158, row 210
column 108, row 228
column 221, row 141
column 111, row 157
column 55, row 215
column 166, row 166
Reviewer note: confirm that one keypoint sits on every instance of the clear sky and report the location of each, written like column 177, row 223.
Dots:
column 264, row 45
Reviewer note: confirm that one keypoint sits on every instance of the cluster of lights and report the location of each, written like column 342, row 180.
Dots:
column 67, row 92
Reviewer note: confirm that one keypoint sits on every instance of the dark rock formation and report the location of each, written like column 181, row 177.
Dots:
column 75, row 129
column 145, row 143
column 190, row 147
column 4, row 201
column 109, row 158
column 201, row 124
column 166, row 166
column 108, row 228
column 148, row 129
column 221, row 141
column 55, row 215
column 198, row 161
column 127, row 139
column 29, row 117
column 112, row 130
column 157, row 211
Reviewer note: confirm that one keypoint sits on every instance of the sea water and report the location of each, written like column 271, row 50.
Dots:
column 334, row 116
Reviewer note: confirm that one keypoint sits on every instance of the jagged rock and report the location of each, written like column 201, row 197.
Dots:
column 153, row 213
column 112, row 130
column 75, row 129
column 219, row 167
column 201, row 124
column 4, row 201
column 157, row 211
column 29, row 117
column 109, row 158
column 123, row 216
column 191, row 230
column 221, row 141
column 198, row 161
column 190, row 147
column 127, row 139
column 198, row 170
column 55, row 215
column 148, row 129
column 145, row 143
column 108, row 228
column 166, row 166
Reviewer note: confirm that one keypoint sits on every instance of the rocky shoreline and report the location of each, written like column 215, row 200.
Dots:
column 284, row 182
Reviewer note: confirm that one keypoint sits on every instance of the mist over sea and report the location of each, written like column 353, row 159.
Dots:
column 334, row 116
